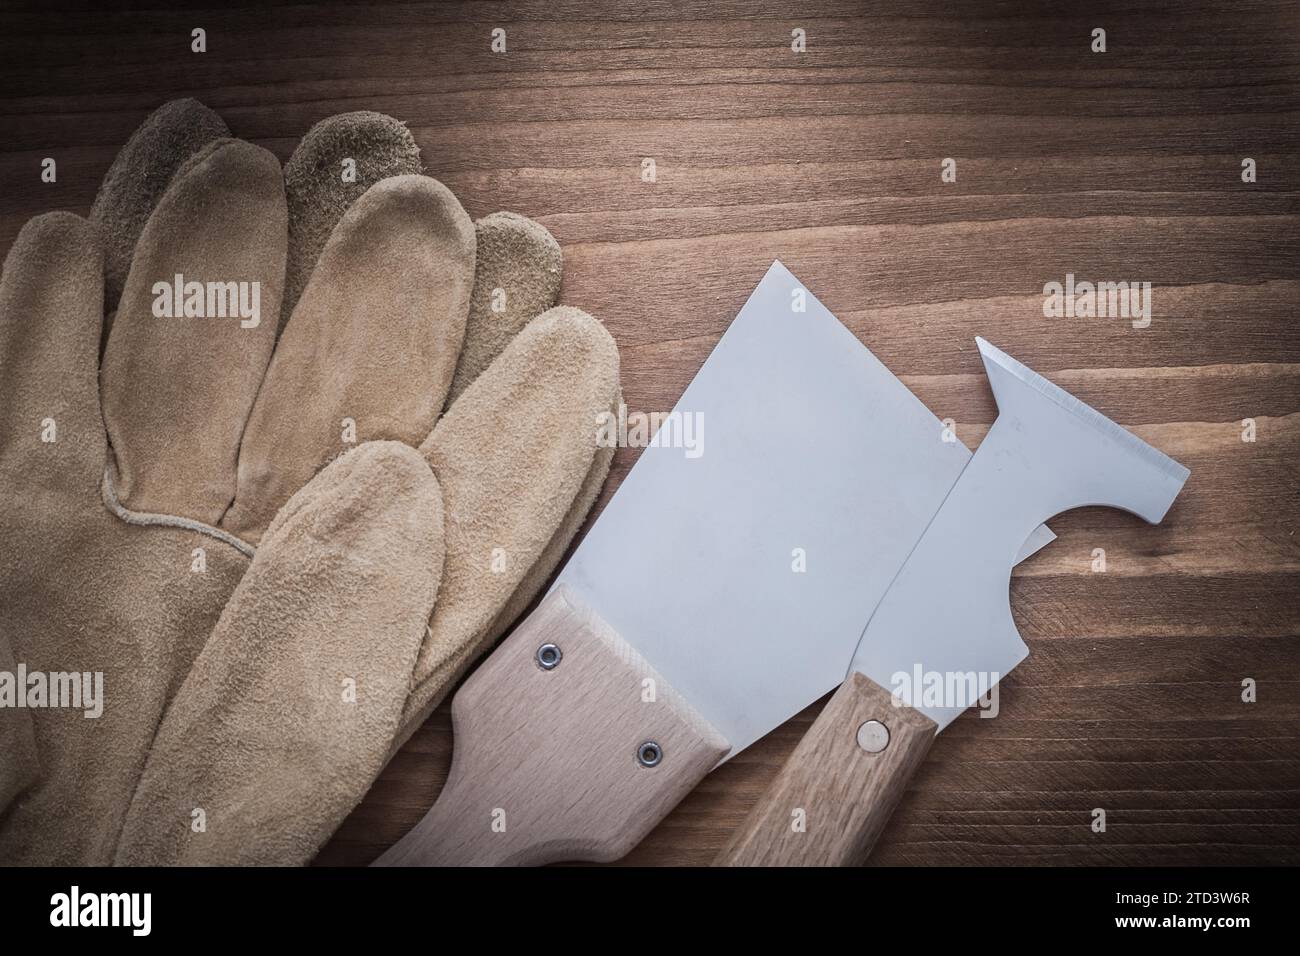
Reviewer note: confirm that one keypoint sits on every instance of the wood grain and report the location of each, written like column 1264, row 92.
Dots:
column 832, row 798
column 547, row 764
column 1123, row 165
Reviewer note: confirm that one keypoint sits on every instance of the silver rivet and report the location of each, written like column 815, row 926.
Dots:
column 649, row 754
column 873, row 736
column 548, row 657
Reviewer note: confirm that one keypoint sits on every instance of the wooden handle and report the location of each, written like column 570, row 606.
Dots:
column 568, row 755
column 838, row 789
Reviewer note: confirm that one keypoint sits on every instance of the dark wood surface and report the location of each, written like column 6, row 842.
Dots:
column 1117, row 166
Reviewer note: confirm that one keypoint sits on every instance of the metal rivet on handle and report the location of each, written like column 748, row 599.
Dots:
column 549, row 657
column 873, row 736
column 649, row 754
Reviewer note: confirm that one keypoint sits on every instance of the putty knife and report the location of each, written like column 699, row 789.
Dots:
column 719, row 593
column 943, row 633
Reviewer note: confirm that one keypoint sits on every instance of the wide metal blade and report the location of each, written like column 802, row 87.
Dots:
column 944, row 635
column 744, row 575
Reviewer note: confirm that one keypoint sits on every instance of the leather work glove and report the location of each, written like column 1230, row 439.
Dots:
column 268, row 620
column 377, row 146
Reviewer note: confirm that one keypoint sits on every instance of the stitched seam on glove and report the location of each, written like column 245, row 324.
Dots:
column 109, row 495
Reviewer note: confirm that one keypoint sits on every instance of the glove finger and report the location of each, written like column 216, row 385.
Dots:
column 529, row 587
column 372, row 343
column 542, row 569
column 511, row 457
column 516, row 279
column 139, row 176
column 177, row 390
column 287, row 714
column 51, row 306
column 337, row 161
column 51, row 433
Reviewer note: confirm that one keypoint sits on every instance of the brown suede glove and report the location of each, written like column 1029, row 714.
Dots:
column 303, row 678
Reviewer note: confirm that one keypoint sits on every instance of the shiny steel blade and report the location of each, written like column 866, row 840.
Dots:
column 943, row 635
column 744, row 574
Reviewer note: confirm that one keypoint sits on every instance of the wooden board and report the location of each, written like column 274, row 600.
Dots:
column 1117, row 166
